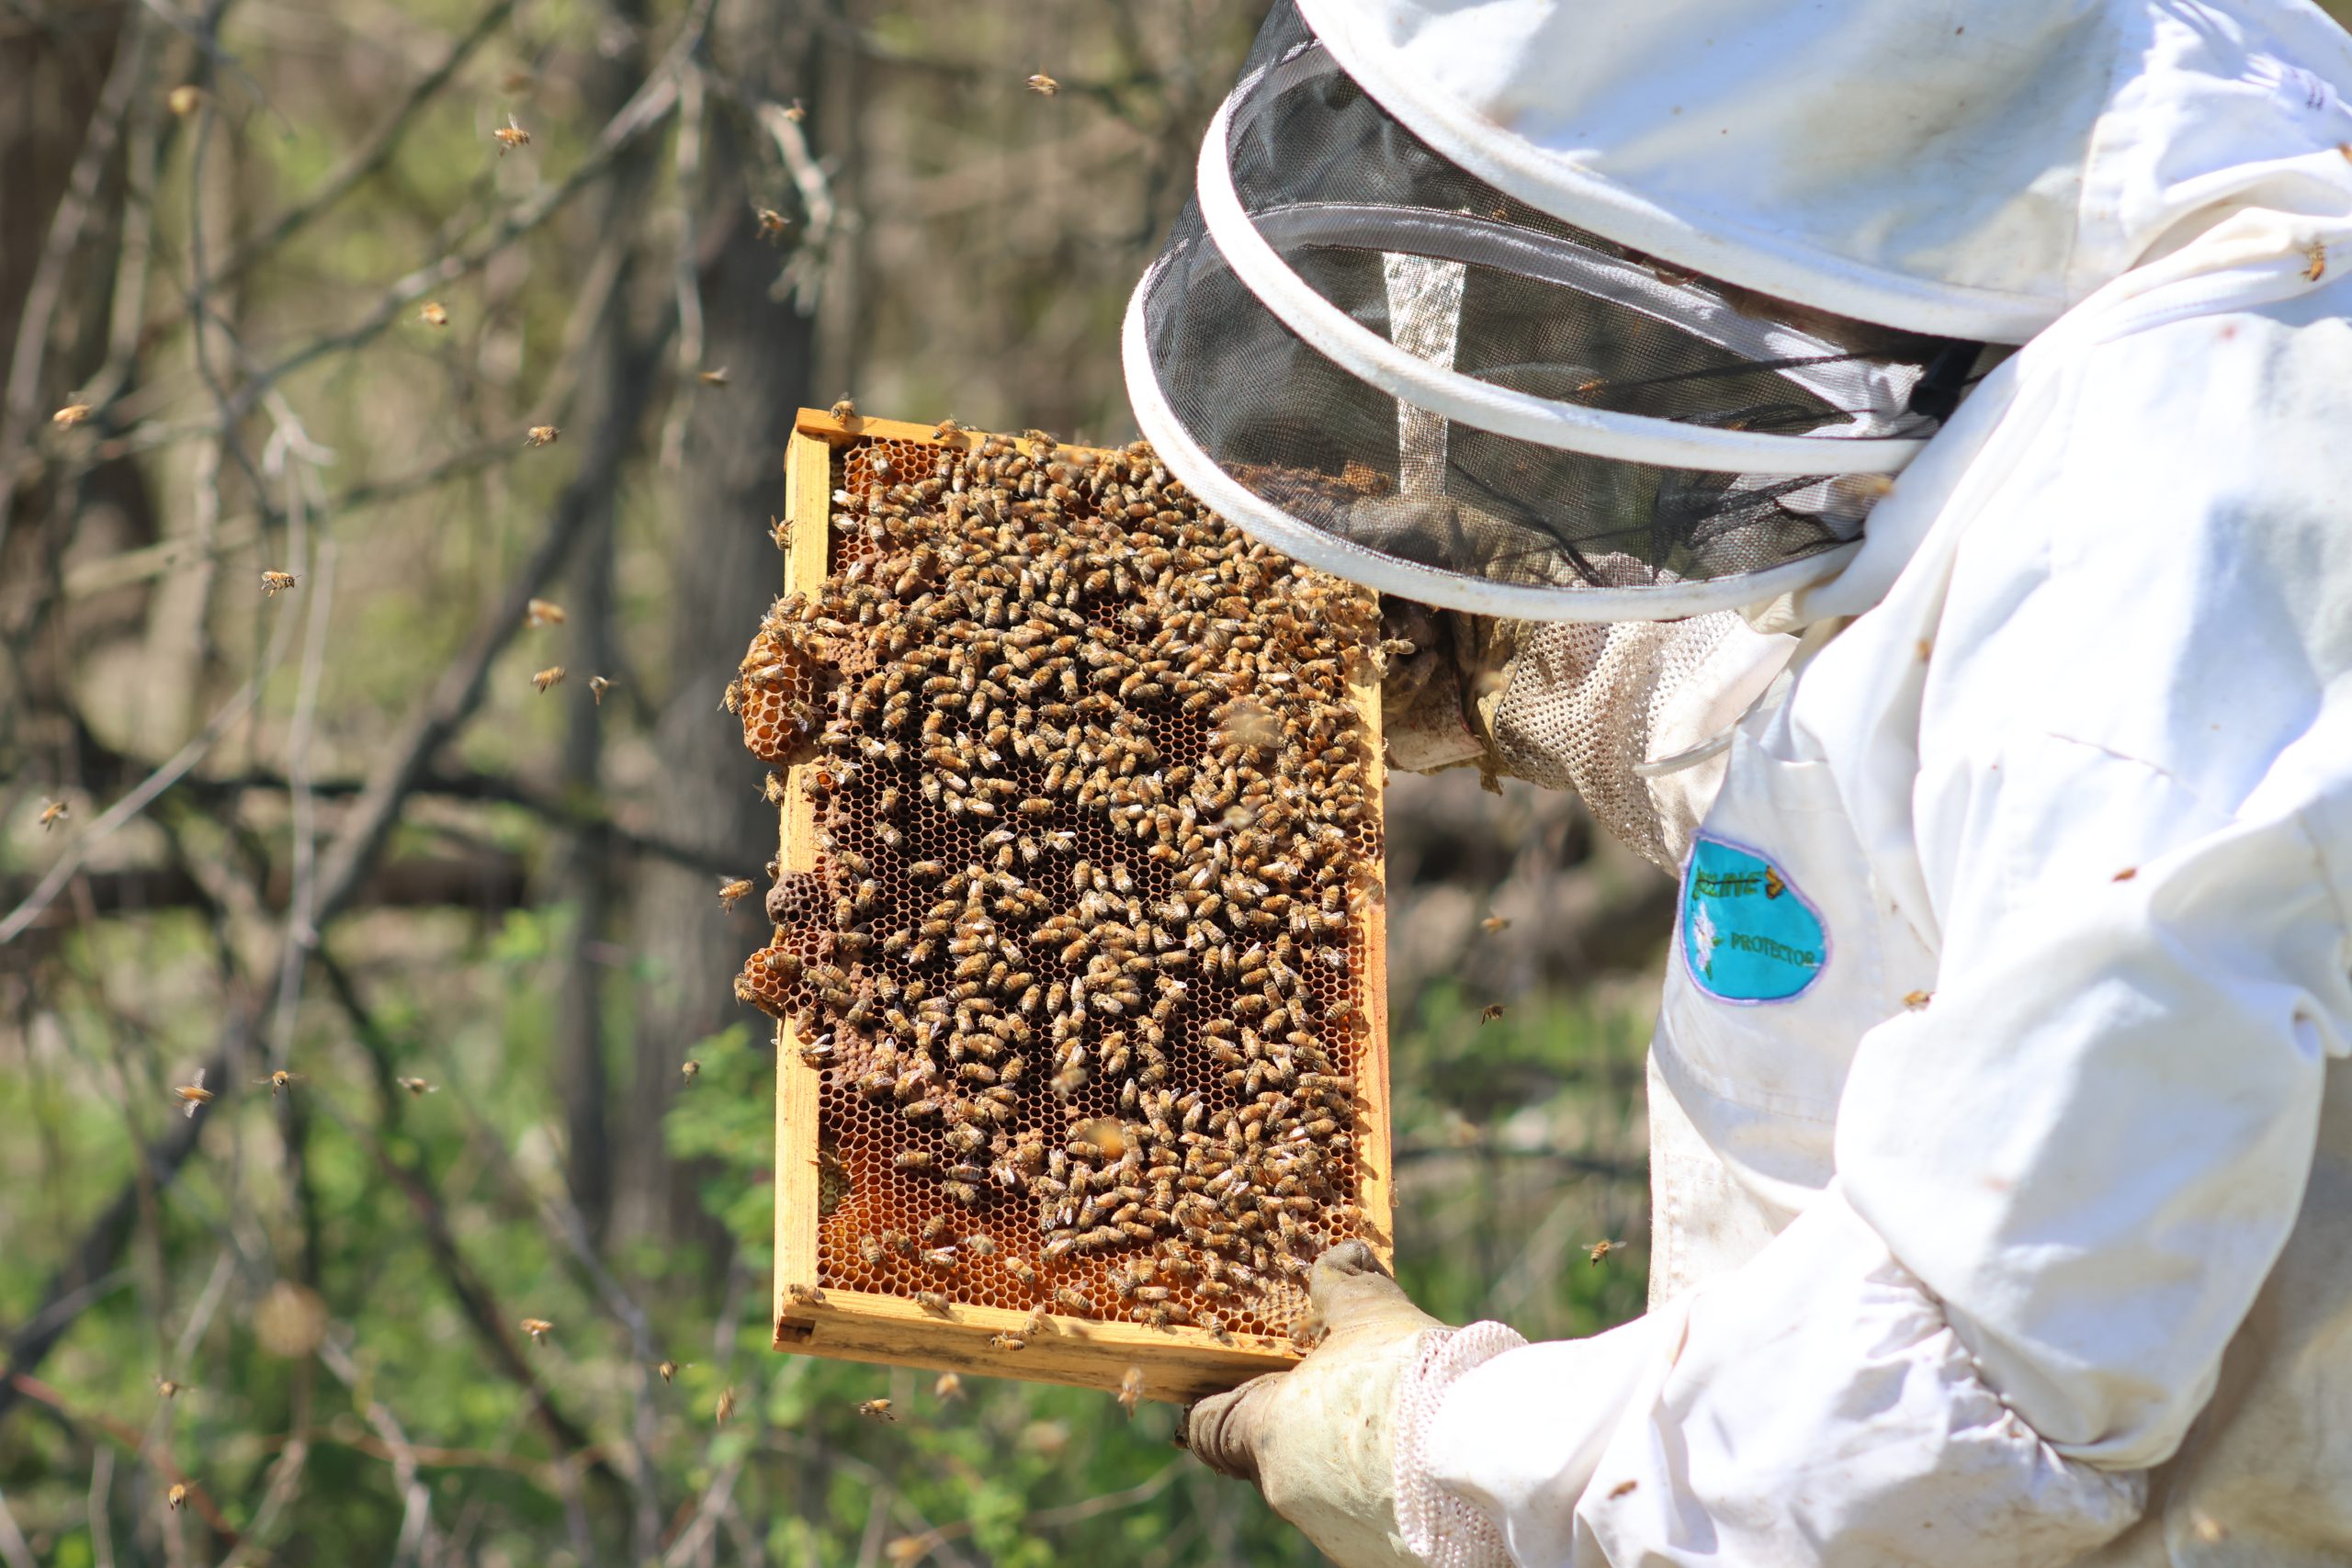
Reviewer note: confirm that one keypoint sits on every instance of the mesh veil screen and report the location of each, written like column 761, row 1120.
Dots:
column 1423, row 256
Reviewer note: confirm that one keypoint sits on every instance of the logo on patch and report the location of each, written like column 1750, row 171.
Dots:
column 1747, row 934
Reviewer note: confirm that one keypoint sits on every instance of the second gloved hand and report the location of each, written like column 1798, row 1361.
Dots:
column 1319, row 1440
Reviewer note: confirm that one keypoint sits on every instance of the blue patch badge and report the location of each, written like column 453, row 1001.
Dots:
column 1747, row 934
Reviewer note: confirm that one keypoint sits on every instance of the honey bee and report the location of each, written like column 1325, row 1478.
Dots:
column 870, row 1249
column 772, row 225
column 273, row 583
column 932, row 1302
column 1491, row 1013
column 1070, row 1303
column 980, row 1246
column 1007, row 1342
column 597, row 686
column 176, row 1498
column 877, row 1410
column 1044, row 86
column 948, row 1389
column 280, row 1079
column 947, row 428
column 193, row 1095
column 542, row 612
column 53, row 812
column 433, row 314
column 689, row 1070
column 70, row 415
column 733, row 891
column 538, row 1328
column 510, row 136
column 1601, row 1250
column 726, row 1405
column 550, row 676
column 804, row 1295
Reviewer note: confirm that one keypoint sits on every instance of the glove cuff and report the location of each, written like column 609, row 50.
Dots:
column 1438, row 1526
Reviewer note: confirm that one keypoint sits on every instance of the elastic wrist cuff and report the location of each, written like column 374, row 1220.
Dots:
column 1438, row 1526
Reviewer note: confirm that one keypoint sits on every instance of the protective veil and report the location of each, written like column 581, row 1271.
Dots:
column 2002, row 1129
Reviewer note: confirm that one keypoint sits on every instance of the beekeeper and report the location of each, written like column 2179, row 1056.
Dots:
column 1894, row 460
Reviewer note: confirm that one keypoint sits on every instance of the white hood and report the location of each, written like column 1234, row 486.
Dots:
column 1970, row 169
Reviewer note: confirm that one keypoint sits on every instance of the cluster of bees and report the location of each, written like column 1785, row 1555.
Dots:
column 1079, row 958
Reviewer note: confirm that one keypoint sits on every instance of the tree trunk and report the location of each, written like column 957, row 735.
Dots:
column 726, row 572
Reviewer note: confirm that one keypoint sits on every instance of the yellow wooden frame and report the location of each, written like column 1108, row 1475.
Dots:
column 1178, row 1364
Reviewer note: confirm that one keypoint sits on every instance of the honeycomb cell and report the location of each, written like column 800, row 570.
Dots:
column 1080, row 953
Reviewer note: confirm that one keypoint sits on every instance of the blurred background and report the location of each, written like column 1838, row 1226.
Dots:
column 290, row 288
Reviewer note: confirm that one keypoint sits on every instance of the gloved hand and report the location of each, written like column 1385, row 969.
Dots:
column 1435, row 701
column 1320, row 1439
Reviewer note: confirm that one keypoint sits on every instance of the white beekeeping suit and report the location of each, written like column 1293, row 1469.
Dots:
column 2002, row 1127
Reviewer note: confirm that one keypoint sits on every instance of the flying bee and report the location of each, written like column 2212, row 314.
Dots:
column 668, row 1370
column 273, row 583
column 1495, row 923
column 433, row 314
column 1491, row 1013
column 510, row 136
column 176, row 1498
column 538, row 1328
column 70, row 415
column 552, row 676
column 1044, row 86
column 1131, row 1390
column 877, row 1410
column 280, row 1079
column 1601, row 1250
column 541, row 435
column 948, row 1389
column 166, row 1387
column 53, row 812
column 418, row 1087
column 733, row 891
column 844, row 410
column 689, row 1070
column 726, row 1405
column 541, row 613
column 193, row 1094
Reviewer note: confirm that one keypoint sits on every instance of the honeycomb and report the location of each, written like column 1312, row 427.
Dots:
column 1080, row 956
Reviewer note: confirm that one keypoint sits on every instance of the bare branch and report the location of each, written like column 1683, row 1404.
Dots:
column 372, row 156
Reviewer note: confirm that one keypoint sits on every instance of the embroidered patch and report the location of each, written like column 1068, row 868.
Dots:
column 1747, row 935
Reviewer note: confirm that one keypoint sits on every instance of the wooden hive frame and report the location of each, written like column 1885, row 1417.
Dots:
column 1178, row 1363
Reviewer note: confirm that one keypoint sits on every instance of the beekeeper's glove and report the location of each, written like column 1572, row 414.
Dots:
column 1319, row 1440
